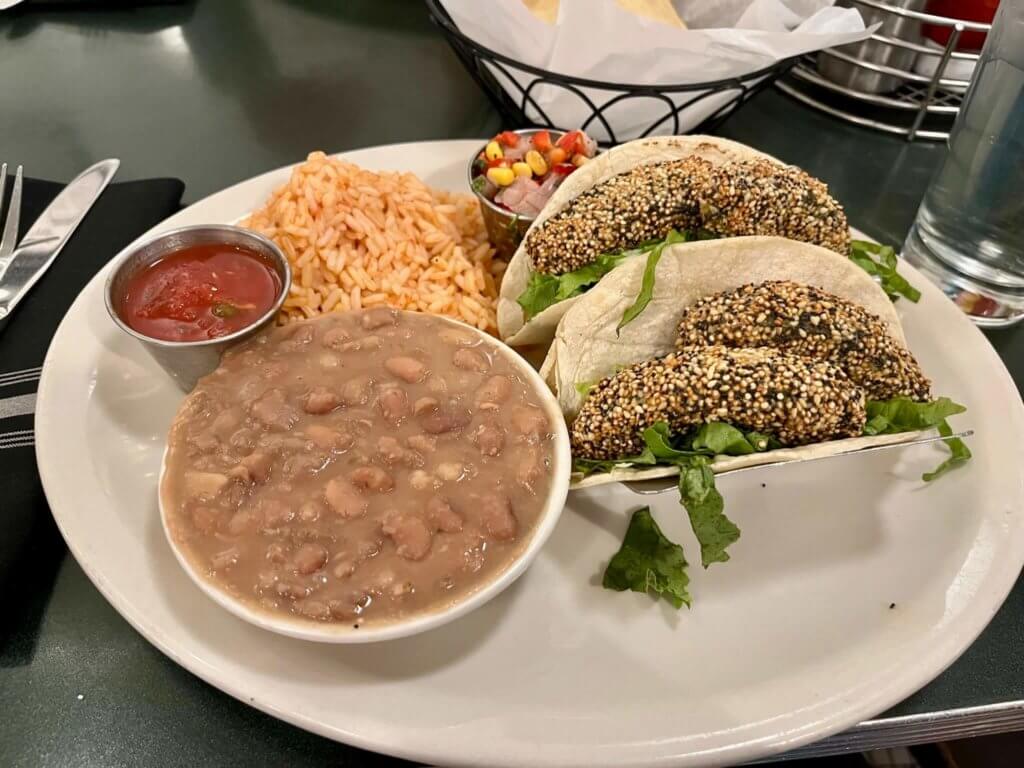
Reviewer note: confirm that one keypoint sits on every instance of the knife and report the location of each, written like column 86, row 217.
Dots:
column 36, row 252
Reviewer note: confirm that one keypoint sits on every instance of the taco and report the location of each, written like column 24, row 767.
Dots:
column 751, row 350
column 627, row 201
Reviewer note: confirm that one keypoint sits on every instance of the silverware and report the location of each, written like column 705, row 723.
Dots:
column 21, row 267
column 187, row 361
column 662, row 484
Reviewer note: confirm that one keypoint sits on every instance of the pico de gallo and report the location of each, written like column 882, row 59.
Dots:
column 520, row 172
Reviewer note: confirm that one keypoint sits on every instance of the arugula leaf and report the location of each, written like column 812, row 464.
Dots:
column 647, row 281
column 863, row 253
column 540, row 294
column 590, row 466
column 717, row 437
column 583, row 388
column 960, row 454
column 706, row 509
column 648, row 561
column 543, row 290
column 901, row 414
column 658, row 439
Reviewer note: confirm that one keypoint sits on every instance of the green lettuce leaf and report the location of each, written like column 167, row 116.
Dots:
column 587, row 467
column 718, row 438
column 960, row 454
column 649, row 562
column 647, row 281
column 901, row 414
column 543, row 290
column 880, row 261
column 706, row 509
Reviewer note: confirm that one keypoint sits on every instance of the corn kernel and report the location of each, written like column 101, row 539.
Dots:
column 556, row 155
column 501, row 176
column 579, row 160
column 536, row 162
column 522, row 169
column 493, row 151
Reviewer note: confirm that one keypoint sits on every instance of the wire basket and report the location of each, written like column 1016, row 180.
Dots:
column 919, row 104
column 512, row 88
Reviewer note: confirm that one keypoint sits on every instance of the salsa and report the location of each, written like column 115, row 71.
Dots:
column 520, row 172
column 200, row 292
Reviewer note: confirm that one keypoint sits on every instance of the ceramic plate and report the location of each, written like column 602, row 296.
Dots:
column 853, row 584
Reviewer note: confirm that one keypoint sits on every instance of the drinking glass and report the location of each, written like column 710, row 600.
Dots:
column 969, row 233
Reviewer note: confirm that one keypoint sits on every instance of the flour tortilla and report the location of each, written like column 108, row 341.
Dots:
column 728, row 463
column 512, row 326
column 587, row 349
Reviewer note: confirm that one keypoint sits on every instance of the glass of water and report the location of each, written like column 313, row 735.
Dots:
column 969, row 233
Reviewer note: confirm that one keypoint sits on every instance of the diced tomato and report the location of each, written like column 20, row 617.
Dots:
column 572, row 143
column 508, row 138
column 496, row 162
column 563, row 169
column 542, row 141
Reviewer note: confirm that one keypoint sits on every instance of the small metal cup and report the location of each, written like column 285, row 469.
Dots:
column 505, row 229
column 188, row 361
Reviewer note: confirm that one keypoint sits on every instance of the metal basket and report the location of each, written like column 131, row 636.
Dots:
column 921, row 107
column 522, row 110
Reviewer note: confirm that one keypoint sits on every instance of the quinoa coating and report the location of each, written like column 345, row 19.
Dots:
column 756, row 197
column 794, row 399
column 806, row 321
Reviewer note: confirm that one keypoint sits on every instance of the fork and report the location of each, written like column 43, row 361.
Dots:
column 10, row 236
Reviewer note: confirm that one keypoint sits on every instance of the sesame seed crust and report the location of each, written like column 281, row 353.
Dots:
column 796, row 400
column 806, row 321
column 755, row 197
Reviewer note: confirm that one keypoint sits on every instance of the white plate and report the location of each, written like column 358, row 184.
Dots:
column 790, row 641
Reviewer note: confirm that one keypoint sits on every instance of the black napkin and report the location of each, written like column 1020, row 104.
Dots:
column 122, row 213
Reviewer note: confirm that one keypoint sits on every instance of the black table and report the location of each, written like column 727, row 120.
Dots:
column 214, row 92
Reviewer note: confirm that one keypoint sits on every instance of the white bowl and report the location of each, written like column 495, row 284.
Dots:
column 344, row 632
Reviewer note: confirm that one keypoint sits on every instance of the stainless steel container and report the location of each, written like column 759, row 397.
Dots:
column 505, row 229
column 876, row 52
column 188, row 361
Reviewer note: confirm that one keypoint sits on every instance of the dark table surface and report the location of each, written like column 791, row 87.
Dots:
column 215, row 92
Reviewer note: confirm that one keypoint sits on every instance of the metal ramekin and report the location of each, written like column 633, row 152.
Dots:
column 188, row 361
column 505, row 229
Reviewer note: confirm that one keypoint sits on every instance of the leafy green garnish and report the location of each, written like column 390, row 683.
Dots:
column 901, row 414
column 647, row 281
column 544, row 290
column 880, row 261
column 959, row 454
column 647, row 561
column 587, row 467
column 706, row 509
column 583, row 388
column 478, row 184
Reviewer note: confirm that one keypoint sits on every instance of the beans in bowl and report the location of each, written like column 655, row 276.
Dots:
column 358, row 467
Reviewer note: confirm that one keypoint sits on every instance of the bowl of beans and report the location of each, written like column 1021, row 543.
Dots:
column 363, row 476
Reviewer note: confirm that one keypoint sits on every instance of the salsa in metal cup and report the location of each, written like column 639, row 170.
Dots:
column 199, row 292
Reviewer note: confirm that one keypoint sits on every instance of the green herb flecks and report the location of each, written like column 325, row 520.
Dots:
column 649, row 562
column 901, row 414
column 880, row 262
column 224, row 309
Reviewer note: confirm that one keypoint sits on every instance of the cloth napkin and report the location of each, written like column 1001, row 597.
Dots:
column 122, row 213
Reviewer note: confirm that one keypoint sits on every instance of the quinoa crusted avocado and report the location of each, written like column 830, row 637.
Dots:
column 753, row 197
column 809, row 322
column 795, row 400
